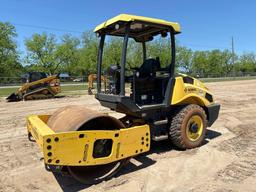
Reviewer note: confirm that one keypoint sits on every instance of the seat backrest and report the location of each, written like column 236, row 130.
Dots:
column 149, row 67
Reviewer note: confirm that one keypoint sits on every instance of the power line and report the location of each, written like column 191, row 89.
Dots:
column 80, row 32
column 47, row 28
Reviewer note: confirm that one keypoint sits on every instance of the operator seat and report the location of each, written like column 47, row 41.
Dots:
column 145, row 82
column 149, row 68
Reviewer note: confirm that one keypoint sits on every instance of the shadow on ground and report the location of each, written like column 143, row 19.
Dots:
column 59, row 96
column 69, row 184
column 210, row 135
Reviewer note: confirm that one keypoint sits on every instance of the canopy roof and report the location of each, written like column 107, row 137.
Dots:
column 142, row 28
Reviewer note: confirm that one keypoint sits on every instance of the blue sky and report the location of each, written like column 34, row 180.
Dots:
column 205, row 24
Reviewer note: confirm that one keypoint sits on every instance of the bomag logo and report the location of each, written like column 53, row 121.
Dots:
column 190, row 89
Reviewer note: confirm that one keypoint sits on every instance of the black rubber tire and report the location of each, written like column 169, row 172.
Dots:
column 178, row 124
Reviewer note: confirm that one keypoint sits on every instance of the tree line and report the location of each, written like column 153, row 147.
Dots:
column 78, row 56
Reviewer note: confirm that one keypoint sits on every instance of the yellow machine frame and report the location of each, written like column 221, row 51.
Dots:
column 76, row 148
column 129, row 18
column 185, row 93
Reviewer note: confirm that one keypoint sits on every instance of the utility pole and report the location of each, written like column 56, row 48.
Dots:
column 233, row 50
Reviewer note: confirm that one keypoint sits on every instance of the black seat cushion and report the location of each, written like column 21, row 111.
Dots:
column 149, row 68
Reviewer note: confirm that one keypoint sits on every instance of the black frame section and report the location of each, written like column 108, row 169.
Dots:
column 126, row 104
column 212, row 113
column 173, row 53
column 123, row 60
column 144, row 50
column 99, row 64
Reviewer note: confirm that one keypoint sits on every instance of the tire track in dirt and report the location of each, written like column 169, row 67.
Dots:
column 237, row 171
column 244, row 147
column 16, row 155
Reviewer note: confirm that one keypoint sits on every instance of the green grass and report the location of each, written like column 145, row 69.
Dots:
column 74, row 90
column 82, row 89
column 7, row 91
column 72, row 82
column 69, row 90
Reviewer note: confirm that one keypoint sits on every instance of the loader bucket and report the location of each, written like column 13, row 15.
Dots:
column 13, row 97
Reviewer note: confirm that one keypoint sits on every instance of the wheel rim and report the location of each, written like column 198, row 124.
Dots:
column 194, row 129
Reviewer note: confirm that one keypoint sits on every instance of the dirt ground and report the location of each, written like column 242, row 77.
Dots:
column 226, row 161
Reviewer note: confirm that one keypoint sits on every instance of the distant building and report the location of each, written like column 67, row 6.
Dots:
column 64, row 76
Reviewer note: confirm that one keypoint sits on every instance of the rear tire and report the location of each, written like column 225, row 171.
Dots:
column 188, row 127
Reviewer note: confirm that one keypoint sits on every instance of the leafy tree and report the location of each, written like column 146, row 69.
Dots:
column 184, row 57
column 134, row 54
column 41, row 52
column 247, row 62
column 227, row 63
column 78, row 56
column 199, row 63
column 67, row 53
column 9, row 58
column 44, row 54
column 161, row 48
column 113, row 51
column 214, row 63
column 88, row 54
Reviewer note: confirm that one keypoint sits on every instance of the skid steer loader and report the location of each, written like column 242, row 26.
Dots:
column 36, row 86
column 160, row 105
